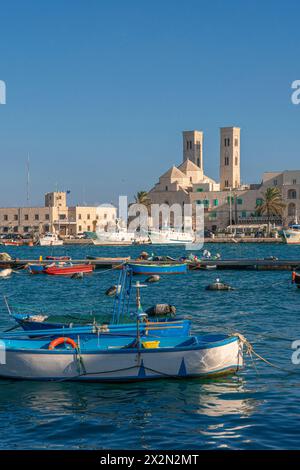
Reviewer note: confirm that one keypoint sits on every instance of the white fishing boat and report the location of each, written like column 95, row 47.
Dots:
column 291, row 235
column 121, row 359
column 50, row 239
column 115, row 235
column 170, row 236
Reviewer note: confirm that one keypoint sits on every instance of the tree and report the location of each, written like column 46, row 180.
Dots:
column 142, row 197
column 272, row 204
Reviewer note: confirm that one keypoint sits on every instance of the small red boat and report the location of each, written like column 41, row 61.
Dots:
column 68, row 269
column 12, row 243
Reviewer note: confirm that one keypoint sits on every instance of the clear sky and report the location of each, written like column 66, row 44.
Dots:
column 98, row 92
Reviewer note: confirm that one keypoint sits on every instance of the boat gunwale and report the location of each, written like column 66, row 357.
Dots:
column 124, row 350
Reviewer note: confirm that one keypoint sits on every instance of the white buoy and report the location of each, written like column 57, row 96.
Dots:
column 5, row 272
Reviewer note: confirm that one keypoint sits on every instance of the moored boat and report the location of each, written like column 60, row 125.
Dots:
column 121, row 358
column 170, row 236
column 37, row 268
column 296, row 278
column 150, row 268
column 50, row 239
column 291, row 235
column 67, row 269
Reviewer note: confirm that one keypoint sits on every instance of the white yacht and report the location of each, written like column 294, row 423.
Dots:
column 291, row 235
column 170, row 236
column 50, row 239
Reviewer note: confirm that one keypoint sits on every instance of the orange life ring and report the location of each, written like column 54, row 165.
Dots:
column 293, row 276
column 61, row 340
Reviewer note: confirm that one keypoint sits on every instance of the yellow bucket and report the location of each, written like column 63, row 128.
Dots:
column 150, row 344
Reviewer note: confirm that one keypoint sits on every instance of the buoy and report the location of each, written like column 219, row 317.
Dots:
column 218, row 285
column 151, row 279
column 111, row 292
column 162, row 309
column 5, row 272
column 77, row 276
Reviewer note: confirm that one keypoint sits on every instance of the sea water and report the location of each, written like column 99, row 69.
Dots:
column 256, row 409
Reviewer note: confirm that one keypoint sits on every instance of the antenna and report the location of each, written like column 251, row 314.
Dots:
column 28, row 180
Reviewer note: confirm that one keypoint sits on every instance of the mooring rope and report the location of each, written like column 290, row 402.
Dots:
column 251, row 352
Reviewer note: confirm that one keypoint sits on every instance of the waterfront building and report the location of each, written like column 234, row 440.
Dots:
column 56, row 216
column 228, row 202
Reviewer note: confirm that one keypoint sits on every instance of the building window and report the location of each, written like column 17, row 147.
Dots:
column 228, row 199
column 105, row 216
column 259, row 202
column 216, row 202
column 226, row 184
column 292, row 194
column 79, row 216
column 62, row 216
column 236, row 142
column 16, row 217
column 26, row 217
column 291, row 209
column 275, row 182
column 236, row 161
column 205, row 202
column 212, row 215
column 199, row 190
column 88, row 228
column 36, row 217
column 167, row 188
column 79, row 228
column 239, row 201
column 226, row 142
column 16, row 229
column 25, row 229
column 47, row 217
column 226, row 161
column 198, row 162
column 5, row 217
column 46, row 228
column 294, row 181
column 88, row 217
column 244, row 214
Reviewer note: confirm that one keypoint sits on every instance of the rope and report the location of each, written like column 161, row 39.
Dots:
column 250, row 351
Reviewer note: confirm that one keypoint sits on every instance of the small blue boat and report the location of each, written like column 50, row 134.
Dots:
column 36, row 268
column 149, row 269
column 161, row 327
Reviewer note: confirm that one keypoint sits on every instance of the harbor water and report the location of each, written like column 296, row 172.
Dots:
column 256, row 409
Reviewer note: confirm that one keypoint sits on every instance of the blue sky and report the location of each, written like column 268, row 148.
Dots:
column 98, row 92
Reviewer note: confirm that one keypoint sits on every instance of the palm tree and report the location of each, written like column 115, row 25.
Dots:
column 142, row 197
column 272, row 204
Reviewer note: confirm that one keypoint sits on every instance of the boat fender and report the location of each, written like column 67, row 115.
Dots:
column 144, row 255
column 151, row 279
column 62, row 340
column 219, row 286
column 77, row 276
column 162, row 309
column 293, row 276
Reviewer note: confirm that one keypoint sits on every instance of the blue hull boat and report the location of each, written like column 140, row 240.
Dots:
column 149, row 269
column 36, row 268
column 162, row 327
